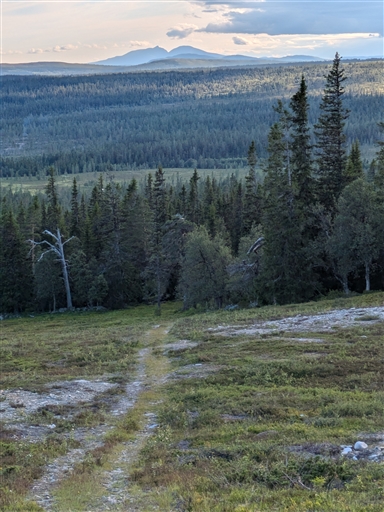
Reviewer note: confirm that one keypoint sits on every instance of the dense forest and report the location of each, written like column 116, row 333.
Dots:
column 184, row 119
column 313, row 224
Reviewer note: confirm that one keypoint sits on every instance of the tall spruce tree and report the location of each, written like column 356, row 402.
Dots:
column 286, row 273
column 252, row 200
column 331, row 150
column 53, row 213
column 74, row 229
column 157, row 269
column 193, row 199
column 301, row 155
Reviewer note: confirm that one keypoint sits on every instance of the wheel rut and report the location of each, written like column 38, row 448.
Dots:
column 115, row 481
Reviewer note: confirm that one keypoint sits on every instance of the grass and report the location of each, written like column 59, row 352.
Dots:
column 84, row 487
column 86, row 181
column 262, row 432
column 256, row 426
column 41, row 350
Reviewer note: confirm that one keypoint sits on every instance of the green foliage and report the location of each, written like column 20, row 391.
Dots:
column 262, row 430
column 203, row 270
column 126, row 120
column 357, row 237
column 16, row 279
column 331, row 138
column 354, row 167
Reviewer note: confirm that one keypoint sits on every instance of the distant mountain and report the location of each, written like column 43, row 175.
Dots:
column 189, row 53
column 151, row 59
column 135, row 57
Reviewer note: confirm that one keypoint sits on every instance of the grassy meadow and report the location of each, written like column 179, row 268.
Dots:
column 246, row 423
column 86, row 181
column 257, row 433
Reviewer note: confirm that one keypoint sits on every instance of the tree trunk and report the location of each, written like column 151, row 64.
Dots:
column 158, row 277
column 345, row 285
column 367, row 278
column 65, row 271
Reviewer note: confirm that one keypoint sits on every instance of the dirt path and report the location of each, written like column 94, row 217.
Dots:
column 150, row 374
column 116, row 482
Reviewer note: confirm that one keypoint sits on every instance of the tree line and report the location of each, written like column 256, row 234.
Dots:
column 313, row 224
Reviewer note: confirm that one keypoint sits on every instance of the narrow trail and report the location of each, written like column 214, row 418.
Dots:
column 116, row 482
column 150, row 374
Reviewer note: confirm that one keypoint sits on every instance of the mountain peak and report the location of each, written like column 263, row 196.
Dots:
column 189, row 53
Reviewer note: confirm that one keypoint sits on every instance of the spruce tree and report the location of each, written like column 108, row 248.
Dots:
column 286, row 273
column 354, row 167
column 193, row 199
column 331, row 151
column 252, row 206
column 53, row 214
column 157, row 268
column 16, row 279
column 301, row 155
column 74, row 229
column 379, row 175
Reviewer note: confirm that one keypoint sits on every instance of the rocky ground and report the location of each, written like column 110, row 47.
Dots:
column 324, row 322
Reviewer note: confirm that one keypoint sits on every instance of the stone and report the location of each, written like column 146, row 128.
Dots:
column 360, row 445
column 346, row 450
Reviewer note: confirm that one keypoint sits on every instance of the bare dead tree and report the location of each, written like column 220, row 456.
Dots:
column 256, row 245
column 58, row 248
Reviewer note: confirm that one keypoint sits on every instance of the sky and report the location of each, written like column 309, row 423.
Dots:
column 88, row 31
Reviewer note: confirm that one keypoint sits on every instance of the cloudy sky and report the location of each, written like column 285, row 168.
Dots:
column 87, row 31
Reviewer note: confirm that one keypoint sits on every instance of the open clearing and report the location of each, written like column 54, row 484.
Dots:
column 249, row 410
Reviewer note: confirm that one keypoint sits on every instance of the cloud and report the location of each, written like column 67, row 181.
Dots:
column 95, row 46
column 181, row 31
column 64, row 48
column 11, row 52
column 240, row 40
column 35, row 50
column 140, row 44
column 55, row 49
column 305, row 17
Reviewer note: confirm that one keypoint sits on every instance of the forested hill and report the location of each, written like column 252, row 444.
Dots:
column 314, row 224
column 204, row 118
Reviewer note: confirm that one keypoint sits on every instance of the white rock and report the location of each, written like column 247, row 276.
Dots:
column 346, row 450
column 360, row 445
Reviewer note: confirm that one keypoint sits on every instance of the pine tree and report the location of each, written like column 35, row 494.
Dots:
column 193, row 199
column 354, row 167
column 286, row 273
column 16, row 279
column 53, row 214
column 379, row 176
column 157, row 267
column 301, row 156
column 74, row 229
column 252, row 200
column 371, row 171
column 331, row 157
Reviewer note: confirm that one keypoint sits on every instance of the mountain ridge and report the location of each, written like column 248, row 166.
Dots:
column 150, row 55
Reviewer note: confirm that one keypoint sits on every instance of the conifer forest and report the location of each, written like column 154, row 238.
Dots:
column 305, row 219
